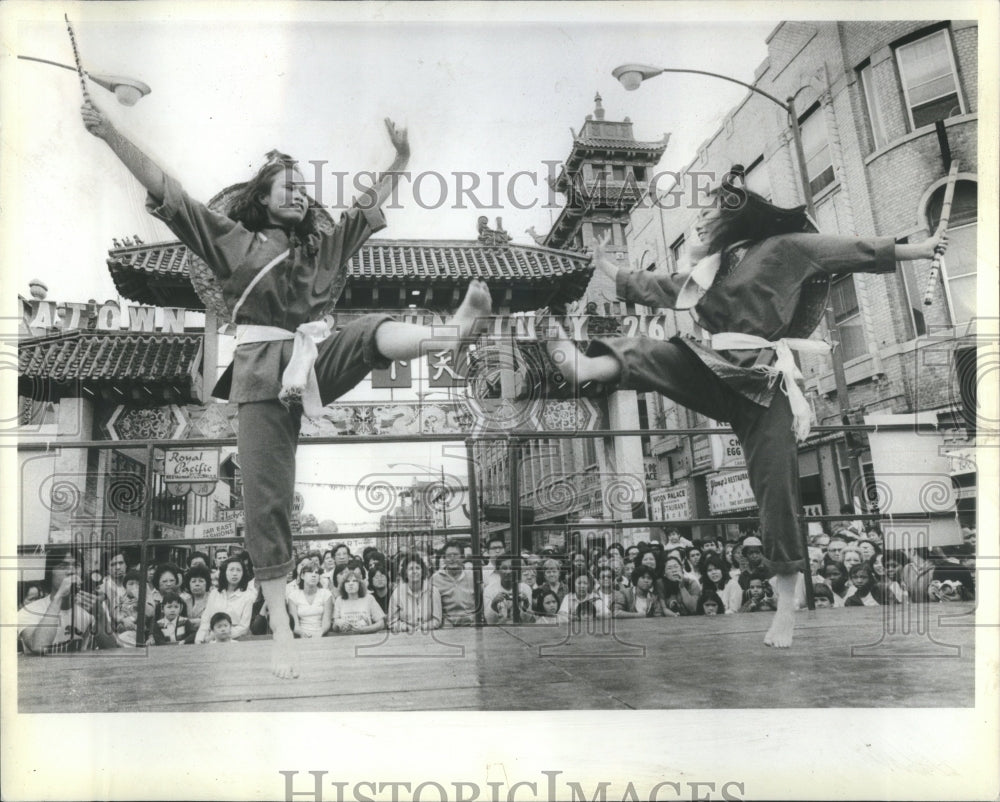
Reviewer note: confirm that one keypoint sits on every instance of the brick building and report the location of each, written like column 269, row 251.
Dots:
column 868, row 94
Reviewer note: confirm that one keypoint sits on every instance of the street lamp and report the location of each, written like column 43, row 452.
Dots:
column 632, row 75
column 128, row 90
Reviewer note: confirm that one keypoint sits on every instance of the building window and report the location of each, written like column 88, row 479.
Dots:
column 678, row 252
column 819, row 166
column 959, row 269
column 876, row 125
column 930, row 80
column 617, row 172
column 639, row 173
column 848, row 318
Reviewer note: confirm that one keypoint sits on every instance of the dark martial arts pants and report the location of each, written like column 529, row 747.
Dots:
column 672, row 369
column 269, row 432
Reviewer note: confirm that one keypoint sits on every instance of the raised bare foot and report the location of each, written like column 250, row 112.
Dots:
column 476, row 307
column 284, row 655
column 780, row 634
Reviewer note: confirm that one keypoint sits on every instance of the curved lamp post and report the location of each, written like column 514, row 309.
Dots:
column 129, row 91
column 632, row 75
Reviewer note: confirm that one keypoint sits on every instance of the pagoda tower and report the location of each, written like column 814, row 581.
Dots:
column 606, row 173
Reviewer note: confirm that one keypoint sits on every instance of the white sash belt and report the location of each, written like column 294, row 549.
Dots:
column 783, row 367
column 299, row 385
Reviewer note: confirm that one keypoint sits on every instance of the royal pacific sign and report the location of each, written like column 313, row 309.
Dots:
column 49, row 317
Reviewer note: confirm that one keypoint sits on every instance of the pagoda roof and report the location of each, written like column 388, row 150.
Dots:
column 150, row 367
column 158, row 273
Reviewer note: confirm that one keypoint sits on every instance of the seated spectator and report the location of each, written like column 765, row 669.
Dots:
column 166, row 579
column 851, row 557
column 548, row 608
column 950, row 568
column 194, row 591
column 354, row 611
column 756, row 598
column 885, row 590
column 650, row 559
column 232, row 598
column 328, row 564
column 640, row 599
column 125, row 614
column 692, row 566
column 917, row 574
column 835, row 551
column 859, row 594
column 498, row 598
column 753, row 551
column 617, row 565
column 710, row 603
column 604, row 594
column 680, row 592
column 454, row 583
column 378, row 584
column 822, row 596
column 221, row 627
column 113, row 585
column 551, row 582
column 675, row 539
column 31, row 593
column 583, row 585
column 495, row 547
column 172, row 627
column 372, row 558
column 61, row 621
column 578, row 563
column 310, row 605
column 868, row 548
column 715, row 578
column 836, row 578
column 415, row 605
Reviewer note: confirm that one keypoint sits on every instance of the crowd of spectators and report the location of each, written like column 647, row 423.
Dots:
column 335, row 592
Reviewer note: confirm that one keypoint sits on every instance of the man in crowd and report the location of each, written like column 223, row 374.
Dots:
column 454, row 583
column 60, row 621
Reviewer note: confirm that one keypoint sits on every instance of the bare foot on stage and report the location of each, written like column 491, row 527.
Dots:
column 476, row 308
column 783, row 625
column 284, row 655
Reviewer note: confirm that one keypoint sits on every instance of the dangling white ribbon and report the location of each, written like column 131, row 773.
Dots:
column 784, row 368
column 299, row 386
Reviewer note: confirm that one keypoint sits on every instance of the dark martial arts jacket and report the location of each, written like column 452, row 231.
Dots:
column 299, row 289
column 775, row 288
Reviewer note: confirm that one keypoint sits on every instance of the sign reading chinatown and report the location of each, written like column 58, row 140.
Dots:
column 42, row 317
column 729, row 492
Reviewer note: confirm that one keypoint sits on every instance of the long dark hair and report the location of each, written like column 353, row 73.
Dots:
column 745, row 215
column 246, row 208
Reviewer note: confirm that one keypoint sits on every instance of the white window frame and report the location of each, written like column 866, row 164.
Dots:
column 954, row 74
column 854, row 320
column 875, row 120
column 817, row 118
column 947, row 279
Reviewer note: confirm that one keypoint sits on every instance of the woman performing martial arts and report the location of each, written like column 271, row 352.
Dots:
column 280, row 272
column 758, row 291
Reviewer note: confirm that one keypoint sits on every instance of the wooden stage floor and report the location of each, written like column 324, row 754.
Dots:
column 849, row 657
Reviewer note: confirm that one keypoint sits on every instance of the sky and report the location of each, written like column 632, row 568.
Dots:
column 496, row 91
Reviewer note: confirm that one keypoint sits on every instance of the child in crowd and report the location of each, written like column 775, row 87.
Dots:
column 836, row 578
column 822, row 596
column 355, row 612
column 859, row 594
column 310, row 605
column 127, row 609
column 757, row 598
column 547, row 610
column 710, row 603
column 172, row 627
column 582, row 586
column 221, row 626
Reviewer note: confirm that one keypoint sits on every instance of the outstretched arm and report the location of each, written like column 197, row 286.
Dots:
column 936, row 243
column 138, row 163
column 377, row 194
